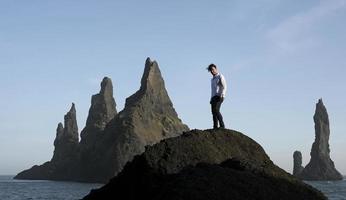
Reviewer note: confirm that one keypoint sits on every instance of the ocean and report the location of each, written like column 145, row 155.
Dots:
column 56, row 190
column 42, row 190
column 334, row 190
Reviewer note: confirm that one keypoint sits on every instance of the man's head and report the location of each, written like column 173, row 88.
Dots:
column 212, row 69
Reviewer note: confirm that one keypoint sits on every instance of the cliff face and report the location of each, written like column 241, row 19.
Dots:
column 321, row 167
column 211, row 164
column 111, row 139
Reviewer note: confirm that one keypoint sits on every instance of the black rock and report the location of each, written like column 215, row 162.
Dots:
column 204, row 165
column 65, row 157
column 109, row 140
column 297, row 163
column 101, row 112
column 148, row 117
column 321, row 167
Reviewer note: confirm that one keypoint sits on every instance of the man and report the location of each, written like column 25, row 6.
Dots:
column 218, row 92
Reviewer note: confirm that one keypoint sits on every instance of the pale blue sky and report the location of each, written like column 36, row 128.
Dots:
column 278, row 56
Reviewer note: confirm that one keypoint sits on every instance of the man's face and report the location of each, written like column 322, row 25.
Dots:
column 213, row 71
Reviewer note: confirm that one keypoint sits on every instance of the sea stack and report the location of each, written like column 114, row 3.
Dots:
column 66, row 141
column 148, row 118
column 101, row 112
column 297, row 160
column 110, row 139
column 321, row 167
column 65, row 156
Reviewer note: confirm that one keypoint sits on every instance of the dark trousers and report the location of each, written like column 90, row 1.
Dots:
column 216, row 102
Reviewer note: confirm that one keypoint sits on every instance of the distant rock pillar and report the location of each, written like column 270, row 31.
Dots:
column 321, row 167
column 297, row 163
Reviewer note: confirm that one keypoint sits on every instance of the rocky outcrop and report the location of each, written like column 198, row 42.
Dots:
column 297, row 163
column 321, row 167
column 212, row 164
column 65, row 157
column 109, row 140
column 148, row 117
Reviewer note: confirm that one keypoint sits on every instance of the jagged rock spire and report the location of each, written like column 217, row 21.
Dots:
column 102, row 109
column 152, row 77
column 66, row 141
column 320, row 148
column 109, row 139
column 148, row 117
column 71, row 127
column 59, row 133
column 101, row 112
column 321, row 167
column 152, row 108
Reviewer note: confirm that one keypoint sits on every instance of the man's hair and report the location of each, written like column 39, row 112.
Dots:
column 211, row 66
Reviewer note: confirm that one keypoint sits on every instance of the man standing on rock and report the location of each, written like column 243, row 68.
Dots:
column 218, row 92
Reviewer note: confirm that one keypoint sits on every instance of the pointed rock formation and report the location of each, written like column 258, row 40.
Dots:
column 211, row 164
column 321, row 167
column 101, row 112
column 148, row 117
column 109, row 139
column 66, row 141
column 65, row 157
column 297, row 166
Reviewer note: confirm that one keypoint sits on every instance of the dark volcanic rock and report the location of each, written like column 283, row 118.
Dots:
column 297, row 163
column 66, row 141
column 321, row 167
column 101, row 112
column 109, row 139
column 65, row 157
column 212, row 164
column 148, row 117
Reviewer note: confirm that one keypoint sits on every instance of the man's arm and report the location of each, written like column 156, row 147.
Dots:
column 224, row 86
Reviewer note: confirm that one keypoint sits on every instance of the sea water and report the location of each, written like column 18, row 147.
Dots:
column 42, row 190
column 334, row 190
column 56, row 190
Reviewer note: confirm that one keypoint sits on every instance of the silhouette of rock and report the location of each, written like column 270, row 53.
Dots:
column 109, row 140
column 61, row 166
column 212, row 164
column 297, row 166
column 321, row 167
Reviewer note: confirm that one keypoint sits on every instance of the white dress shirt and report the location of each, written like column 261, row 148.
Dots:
column 218, row 85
